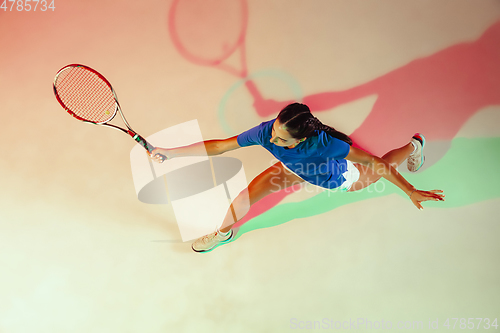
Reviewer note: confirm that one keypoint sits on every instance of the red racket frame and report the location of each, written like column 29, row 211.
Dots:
column 143, row 142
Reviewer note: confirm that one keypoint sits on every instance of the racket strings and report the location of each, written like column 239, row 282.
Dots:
column 86, row 95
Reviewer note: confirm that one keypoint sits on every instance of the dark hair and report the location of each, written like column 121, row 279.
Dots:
column 300, row 123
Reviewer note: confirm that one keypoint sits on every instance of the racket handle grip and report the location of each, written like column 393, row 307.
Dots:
column 149, row 147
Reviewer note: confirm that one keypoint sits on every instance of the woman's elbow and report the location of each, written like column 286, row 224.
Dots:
column 213, row 148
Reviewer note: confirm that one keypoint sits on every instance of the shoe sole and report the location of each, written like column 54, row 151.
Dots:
column 218, row 244
column 422, row 151
column 422, row 157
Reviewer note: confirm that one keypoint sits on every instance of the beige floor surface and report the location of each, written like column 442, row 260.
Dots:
column 80, row 253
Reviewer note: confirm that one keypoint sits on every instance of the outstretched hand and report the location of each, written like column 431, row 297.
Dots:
column 420, row 196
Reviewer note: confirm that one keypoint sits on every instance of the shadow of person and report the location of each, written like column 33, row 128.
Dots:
column 434, row 95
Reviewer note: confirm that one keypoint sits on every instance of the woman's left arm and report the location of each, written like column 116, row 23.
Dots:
column 384, row 169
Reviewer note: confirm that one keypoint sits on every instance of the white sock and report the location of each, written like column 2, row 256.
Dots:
column 223, row 234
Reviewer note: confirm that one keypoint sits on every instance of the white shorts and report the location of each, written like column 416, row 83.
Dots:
column 351, row 176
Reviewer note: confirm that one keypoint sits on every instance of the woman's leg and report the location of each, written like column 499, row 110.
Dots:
column 368, row 176
column 273, row 179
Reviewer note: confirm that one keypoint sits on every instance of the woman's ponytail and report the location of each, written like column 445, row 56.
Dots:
column 332, row 131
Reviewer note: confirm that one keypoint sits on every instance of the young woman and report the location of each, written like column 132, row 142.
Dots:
column 308, row 151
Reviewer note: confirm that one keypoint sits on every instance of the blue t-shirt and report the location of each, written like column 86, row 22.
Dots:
column 318, row 160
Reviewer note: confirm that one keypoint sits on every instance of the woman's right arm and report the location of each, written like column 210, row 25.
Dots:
column 209, row 147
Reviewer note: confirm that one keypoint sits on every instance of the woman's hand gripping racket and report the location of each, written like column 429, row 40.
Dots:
column 89, row 97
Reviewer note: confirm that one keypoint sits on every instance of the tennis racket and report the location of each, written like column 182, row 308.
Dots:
column 88, row 96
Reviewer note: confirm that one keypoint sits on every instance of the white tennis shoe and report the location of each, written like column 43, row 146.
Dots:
column 211, row 241
column 417, row 158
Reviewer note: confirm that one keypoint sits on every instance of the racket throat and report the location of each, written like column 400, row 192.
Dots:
column 135, row 136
